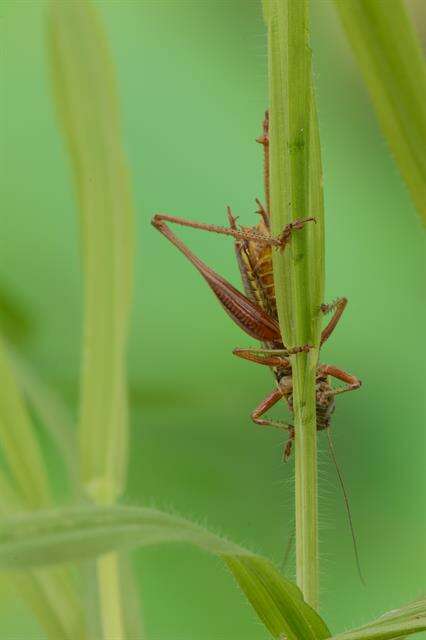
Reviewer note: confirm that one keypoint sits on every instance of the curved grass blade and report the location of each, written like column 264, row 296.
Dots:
column 52, row 412
column 87, row 104
column 393, row 625
column 49, row 594
column 296, row 192
column 54, row 601
column 86, row 99
column 74, row 534
column 391, row 60
column 19, row 444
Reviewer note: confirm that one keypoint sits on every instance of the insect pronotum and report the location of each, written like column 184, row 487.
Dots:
column 255, row 311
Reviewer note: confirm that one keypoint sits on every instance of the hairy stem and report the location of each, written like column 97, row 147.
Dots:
column 296, row 192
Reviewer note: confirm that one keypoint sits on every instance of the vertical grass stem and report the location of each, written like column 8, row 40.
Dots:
column 296, row 192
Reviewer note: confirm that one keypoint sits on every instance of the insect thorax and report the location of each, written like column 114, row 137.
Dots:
column 325, row 404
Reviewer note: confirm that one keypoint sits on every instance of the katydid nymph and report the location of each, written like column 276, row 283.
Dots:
column 255, row 311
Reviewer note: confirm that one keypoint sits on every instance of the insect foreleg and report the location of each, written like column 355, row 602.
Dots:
column 270, row 357
column 254, row 356
column 338, row 307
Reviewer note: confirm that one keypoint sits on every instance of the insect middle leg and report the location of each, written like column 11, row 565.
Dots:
column 352, row 382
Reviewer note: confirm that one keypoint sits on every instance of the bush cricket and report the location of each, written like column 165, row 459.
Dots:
column 255, row 312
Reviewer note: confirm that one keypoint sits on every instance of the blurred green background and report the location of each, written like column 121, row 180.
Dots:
column 193, row 89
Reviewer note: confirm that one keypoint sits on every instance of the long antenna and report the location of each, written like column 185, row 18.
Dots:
column 346, row 499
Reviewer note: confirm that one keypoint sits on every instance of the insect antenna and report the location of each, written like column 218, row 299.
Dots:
column 346, row 499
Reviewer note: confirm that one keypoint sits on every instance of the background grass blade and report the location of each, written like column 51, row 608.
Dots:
column 392, row 63
column 74, row 534
column 296, row 192
column 88, row 111
column 50, row 594
column 53, row 413
column 395, row 624
column 87, row 105
column 19, row 444
column 54, row 601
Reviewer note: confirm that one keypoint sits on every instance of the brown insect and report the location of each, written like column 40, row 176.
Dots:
column 256, row 312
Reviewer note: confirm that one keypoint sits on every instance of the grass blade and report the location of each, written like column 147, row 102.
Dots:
column 54, row 602
column 19, row 444
column 385, row 632
column 395, row 624
column 391, row 60
column 50, row 594
column 74, row 534
column 88, row 111
column 52, row 412
column 296, row 192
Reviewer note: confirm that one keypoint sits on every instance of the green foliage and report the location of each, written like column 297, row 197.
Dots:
column 19, row 443
column 15, row 323
column 407, row 621
column 88, row 111
column 50, row 594
column 54, row 600
column 75, row 534
column 32, row 541
column 296, row 192
column 52, row 412
column 87, row 106
column 392, row 63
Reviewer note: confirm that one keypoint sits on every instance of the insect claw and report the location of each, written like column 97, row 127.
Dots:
column 285, row 236
column 264, row 138
column 331, row 306
column 262, row 212
column 300, row 223
column 232, row 219
column 303, row 349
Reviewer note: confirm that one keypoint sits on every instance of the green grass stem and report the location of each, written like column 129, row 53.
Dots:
column 296, row 192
